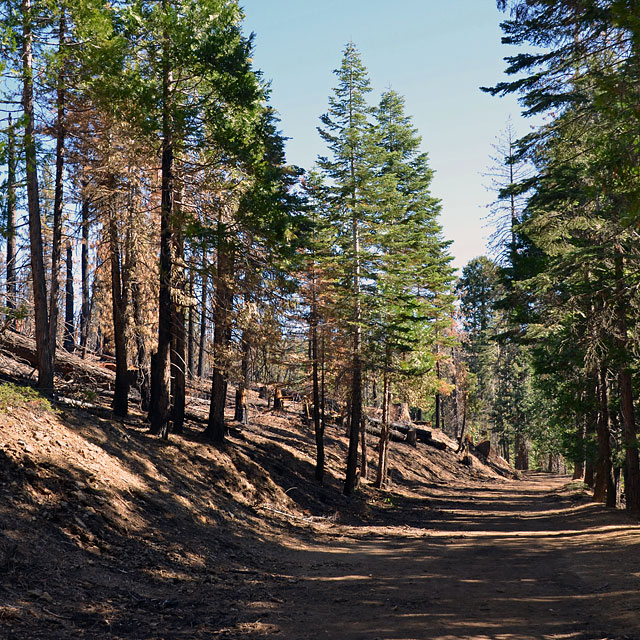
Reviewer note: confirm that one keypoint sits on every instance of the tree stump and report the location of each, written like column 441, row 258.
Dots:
column 278, row 401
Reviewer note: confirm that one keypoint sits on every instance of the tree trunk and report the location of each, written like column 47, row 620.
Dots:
column 522, row 452
column 56, row 244
column 11, row 298
column 84, row 268
column 216, row 426
column 178, row 381
column 438, row 398
column 120, row 403
column 203, row 317
column 191, row 327
column 632, row 486
column 604, row 490
column 161, row 362
column 178, row 363
column 43, row 341
column 178, row 373
column 278, row 402
column 356, row 374
column 241, row 411
column 318, row 426
column 69, row 339
column 383, row 451
column 142, row 356
column 579, row 468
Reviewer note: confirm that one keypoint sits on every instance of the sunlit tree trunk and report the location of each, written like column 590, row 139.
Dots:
column 45, row 355
column 69, row 339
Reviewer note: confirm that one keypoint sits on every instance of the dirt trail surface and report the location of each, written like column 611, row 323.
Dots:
column 107, row 533
column 517, row 561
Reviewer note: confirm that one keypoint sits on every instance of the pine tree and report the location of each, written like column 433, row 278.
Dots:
column 347, row 131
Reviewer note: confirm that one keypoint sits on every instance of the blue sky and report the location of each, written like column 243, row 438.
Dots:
column 436, row 53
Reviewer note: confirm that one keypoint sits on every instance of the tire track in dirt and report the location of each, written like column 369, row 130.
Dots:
column 521, row 560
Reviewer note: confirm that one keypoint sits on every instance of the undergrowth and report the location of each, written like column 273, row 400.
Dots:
column 14, row 396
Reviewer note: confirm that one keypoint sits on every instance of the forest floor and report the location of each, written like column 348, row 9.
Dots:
column 109, row 533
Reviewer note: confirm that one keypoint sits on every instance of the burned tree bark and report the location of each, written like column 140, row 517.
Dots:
column 216, row 427
column 69, row 341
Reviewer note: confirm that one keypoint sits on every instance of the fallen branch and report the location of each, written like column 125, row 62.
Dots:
column 266, row 507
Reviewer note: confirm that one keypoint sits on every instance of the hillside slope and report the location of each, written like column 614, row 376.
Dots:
column 106, row 531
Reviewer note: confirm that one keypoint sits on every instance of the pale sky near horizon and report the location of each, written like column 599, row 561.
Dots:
column 437, row 54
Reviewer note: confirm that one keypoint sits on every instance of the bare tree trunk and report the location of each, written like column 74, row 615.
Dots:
column 84, row 268
column 69, row 339
column 241, row 410
column 203, row 317
column 356, row 373
column 191, row 326
column 383, row 452
column 161, row 362
column 142, row 363
column 11, row 300
column 579, row 468
column 178, row 373
column 216, row 427
column 318, row 425
column 522, row 452
column 118, row 302
column 43, row 341
column 56, row 245
column 632, row 486
column 604, row 490
column 438, row 409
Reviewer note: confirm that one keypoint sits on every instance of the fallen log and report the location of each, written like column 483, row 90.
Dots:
column 68, row 365
column 405, row 432
column 394, row 435
column 436, row 444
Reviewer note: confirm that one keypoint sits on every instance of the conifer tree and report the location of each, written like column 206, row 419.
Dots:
column 347, row 131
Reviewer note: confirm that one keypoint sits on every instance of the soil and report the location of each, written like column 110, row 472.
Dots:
column 108, row 532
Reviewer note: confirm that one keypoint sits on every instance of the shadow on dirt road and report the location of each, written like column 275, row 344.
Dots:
column 517, row 561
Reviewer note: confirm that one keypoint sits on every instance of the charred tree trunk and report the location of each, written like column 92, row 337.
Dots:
column 120, row 404
column 43, row 340
column 161, row 362
column 383, row 452
column 11, row 298
column 216, row 426
column 69, row 340
column 84, row 269
column 323, row 386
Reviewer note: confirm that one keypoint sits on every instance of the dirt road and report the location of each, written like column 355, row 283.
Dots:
column 519, row 560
